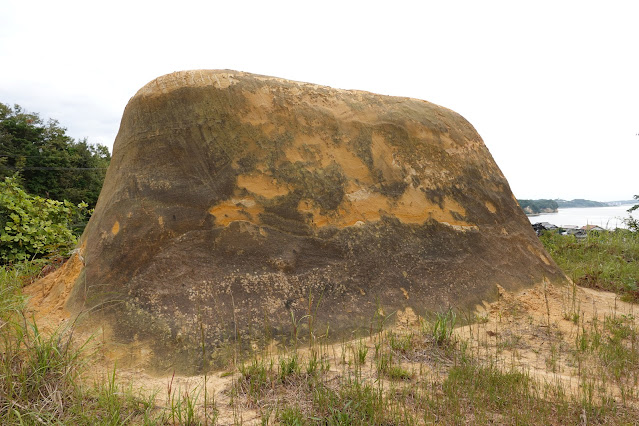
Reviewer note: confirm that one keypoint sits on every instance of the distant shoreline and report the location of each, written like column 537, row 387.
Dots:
column 629, row 204
column 608, row 217
column 547, row 206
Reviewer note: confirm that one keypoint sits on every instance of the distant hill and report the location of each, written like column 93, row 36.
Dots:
column 538, row 206
column 621, row 202
column 563, row 204
column 579, row 202
column 551, row 206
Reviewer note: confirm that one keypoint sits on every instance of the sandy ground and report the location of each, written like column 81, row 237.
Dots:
column 534, row 330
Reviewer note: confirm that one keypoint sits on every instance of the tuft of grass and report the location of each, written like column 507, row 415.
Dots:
column 255, row 378
column 292, row 416
column 290, row 366
column 400, row 343
column 443, row 326
column 354, row 402
column 362, row 351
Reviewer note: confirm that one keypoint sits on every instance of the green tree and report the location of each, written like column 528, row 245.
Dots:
column 49, row 162
column 631, row 222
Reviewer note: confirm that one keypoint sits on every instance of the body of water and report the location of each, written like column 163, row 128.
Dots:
column 606, row 217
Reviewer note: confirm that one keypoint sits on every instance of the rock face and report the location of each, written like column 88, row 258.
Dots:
column 237, row 204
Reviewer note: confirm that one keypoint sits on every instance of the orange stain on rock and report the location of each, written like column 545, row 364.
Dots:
column 262, row 185
column 245, row 209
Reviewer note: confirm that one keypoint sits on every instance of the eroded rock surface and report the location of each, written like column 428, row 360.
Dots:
column 233, row 198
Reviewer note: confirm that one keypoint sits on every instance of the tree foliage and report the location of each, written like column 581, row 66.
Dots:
column 631, row 222
column 50, row 163
column 32, row 226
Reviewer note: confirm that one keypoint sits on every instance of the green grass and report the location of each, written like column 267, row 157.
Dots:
column 442, row 327
column 603, row 260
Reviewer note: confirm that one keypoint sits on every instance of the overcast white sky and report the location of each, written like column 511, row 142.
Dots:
column 551, row 86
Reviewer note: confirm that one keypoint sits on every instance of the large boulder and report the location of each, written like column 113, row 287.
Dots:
column 240, row 208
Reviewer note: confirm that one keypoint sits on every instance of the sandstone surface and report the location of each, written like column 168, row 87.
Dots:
column 238, row 207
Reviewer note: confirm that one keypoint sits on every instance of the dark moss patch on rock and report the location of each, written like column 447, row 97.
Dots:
column 324, row 186
column 362, row 146
column 435, row 195
column 393, row 189
column 247, row 163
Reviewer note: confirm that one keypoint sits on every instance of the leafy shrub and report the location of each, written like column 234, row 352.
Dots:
column 32, row 226
column 631, row 222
